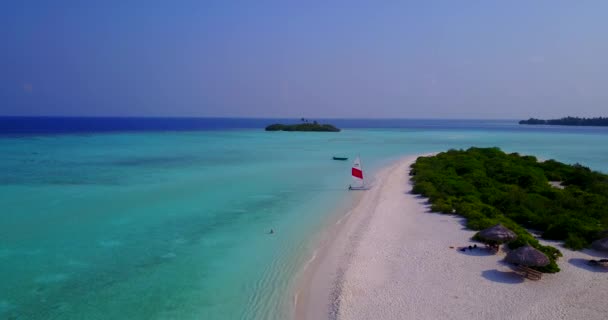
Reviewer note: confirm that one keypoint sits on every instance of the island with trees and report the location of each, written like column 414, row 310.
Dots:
column 306, row 125
column 488, row 186
column 569, row 121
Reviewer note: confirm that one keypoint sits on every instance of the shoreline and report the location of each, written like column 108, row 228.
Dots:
column 389, row 257
column 319, row 276
column 324, row 241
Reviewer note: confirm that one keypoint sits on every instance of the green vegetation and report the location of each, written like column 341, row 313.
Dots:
column 488, row 186
column 305, row 126
column 569, row 121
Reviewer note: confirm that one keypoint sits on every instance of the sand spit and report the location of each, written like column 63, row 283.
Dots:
column 390, row 258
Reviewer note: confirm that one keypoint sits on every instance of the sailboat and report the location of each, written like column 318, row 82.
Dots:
column 357, row 173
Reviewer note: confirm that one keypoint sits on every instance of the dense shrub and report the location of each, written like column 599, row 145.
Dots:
column 303, row 127
column 488, row 186
column 575, row 242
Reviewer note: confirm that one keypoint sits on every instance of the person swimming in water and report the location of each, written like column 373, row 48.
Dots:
column 271, row 231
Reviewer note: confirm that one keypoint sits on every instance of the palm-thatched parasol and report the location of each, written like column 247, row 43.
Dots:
column 527, row 256
column 601, row 244
column 497, row 233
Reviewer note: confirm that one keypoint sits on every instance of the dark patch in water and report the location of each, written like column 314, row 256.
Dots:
column 57, row 179
column 156, row 161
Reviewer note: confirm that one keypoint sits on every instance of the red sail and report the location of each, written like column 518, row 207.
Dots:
column 357, row 173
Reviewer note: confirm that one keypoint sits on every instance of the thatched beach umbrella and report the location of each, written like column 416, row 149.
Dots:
column 601, row 244
column 497, row 233
column 527, row 256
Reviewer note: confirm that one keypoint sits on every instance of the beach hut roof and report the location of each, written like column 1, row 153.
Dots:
column 497, row 233
column 601, row 244
column 527, row 256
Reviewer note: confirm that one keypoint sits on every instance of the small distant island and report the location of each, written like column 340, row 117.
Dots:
column 569, row 121
column 306, row 125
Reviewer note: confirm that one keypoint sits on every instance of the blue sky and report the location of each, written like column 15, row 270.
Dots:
column 362, row 59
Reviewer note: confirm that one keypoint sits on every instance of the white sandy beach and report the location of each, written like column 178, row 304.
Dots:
column 390, row 258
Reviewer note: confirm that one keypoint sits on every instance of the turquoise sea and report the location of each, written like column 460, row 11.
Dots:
column 151, row 224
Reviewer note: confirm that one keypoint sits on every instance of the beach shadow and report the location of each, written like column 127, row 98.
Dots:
column 502, row 276
column 584, row 264
column 420, row 199
column 463, row 222
column 477, row 252
column 595, row 253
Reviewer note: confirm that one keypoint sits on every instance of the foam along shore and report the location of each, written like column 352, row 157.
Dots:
column 391, row 258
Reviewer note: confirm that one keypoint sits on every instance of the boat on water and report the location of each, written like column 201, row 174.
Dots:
column 357, row 173
column 340, row 158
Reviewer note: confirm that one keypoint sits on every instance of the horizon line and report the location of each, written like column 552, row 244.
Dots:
column 243, row 117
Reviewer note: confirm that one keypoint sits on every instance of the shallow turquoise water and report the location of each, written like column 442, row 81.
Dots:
column 173, row 225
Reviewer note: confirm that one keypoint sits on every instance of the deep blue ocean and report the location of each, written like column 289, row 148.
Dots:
column 63, row 125
column 167, row 218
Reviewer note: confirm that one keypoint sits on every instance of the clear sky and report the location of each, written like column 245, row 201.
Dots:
column 402, row 59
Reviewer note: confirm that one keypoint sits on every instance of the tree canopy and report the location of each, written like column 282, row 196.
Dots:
column 569, row 121
column 488, row 186
column 306, row 126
